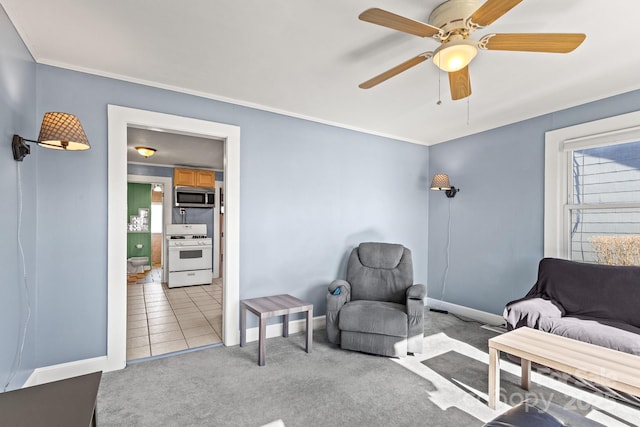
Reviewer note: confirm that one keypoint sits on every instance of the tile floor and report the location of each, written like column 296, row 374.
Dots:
column 163, row 320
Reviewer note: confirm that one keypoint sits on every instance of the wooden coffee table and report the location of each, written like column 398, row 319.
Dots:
column 277, row 305
column 615, row 369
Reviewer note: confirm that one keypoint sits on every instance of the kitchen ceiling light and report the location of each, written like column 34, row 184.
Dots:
column 157, row 188
column 146, row 151
column 455, row 55
column 60, row 131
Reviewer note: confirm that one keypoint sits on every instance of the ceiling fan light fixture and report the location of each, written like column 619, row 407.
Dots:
column 146, row 151
column 455, row 55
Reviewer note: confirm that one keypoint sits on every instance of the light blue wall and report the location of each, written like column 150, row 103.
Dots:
column 17, row 116
column 309, row 193
column 497, row 219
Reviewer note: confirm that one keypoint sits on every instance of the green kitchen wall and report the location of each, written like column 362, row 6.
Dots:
column 138, row 197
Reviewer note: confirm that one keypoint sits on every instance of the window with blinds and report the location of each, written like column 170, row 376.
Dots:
column 604, row 203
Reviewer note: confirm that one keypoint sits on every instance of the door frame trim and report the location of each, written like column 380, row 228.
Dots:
column 119, row 119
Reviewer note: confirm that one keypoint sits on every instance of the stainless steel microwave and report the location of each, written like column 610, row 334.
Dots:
column 194, row 197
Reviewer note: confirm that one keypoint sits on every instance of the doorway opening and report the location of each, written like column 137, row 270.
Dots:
column 119, row 119
column 179, row 307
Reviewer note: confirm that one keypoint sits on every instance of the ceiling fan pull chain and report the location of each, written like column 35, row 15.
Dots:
column 439, row 85
column 468, row 110
column 439, row 89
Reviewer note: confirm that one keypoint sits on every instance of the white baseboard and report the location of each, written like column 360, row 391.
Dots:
column 471, row 313
column 295, row 326
column 81, row 367
column 62, row 371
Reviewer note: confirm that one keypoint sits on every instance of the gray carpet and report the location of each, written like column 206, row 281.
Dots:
column 328, row 387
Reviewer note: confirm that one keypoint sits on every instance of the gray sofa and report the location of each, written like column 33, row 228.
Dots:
column 598, row 304
column 377, row 309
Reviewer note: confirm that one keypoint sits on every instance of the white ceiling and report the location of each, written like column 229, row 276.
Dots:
column 307, row 57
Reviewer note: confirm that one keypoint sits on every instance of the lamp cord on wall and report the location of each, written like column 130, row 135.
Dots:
column 23, row 335
column 446, row 269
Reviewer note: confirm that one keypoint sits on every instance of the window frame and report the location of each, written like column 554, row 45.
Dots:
column 559, row 144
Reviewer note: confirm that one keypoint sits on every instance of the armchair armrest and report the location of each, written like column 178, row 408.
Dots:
column 343, row 284
column 415, row 300
column 417, row 291
column 529, row 312
column 415, row 313
column 335, row 301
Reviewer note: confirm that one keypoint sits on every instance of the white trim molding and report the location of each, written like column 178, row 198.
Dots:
column 119, row 119
column 558, row 143
column 81, row 367
column 295, row 326
column 65, row 370
column 86, row 366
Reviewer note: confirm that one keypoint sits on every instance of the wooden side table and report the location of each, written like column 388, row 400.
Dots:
column 277, row 305
column 68, row 402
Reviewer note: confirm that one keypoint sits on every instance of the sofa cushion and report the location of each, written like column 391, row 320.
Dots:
column 374, row 317
column 602, row 332
column 590, row 290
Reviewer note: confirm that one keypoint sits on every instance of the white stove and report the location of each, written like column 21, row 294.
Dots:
column 190, row 255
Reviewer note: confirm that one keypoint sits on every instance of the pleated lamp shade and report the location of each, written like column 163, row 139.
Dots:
column 440, row 182
column 62, row 131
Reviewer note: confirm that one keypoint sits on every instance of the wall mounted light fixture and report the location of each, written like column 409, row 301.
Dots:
column 60, row 131
column 441, row 182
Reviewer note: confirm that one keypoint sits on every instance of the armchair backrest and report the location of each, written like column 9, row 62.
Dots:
column 380, row 272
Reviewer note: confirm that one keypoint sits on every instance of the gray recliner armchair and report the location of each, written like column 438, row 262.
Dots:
column 377, row 309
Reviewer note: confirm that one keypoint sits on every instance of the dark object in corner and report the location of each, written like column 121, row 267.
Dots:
column 527, row 414
column 437, row 310
column 67, row 402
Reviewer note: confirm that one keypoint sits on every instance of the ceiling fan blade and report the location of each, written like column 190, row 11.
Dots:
column 553, row 43
column 460, row 84
column 395, row 70
column 492, row 10
column 397, row 22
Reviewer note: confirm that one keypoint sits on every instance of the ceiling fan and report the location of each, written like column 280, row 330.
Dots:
column 451, row 23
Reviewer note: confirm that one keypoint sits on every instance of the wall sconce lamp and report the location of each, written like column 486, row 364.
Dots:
column 60, row 131
column 441, row 182
column 146, row 151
